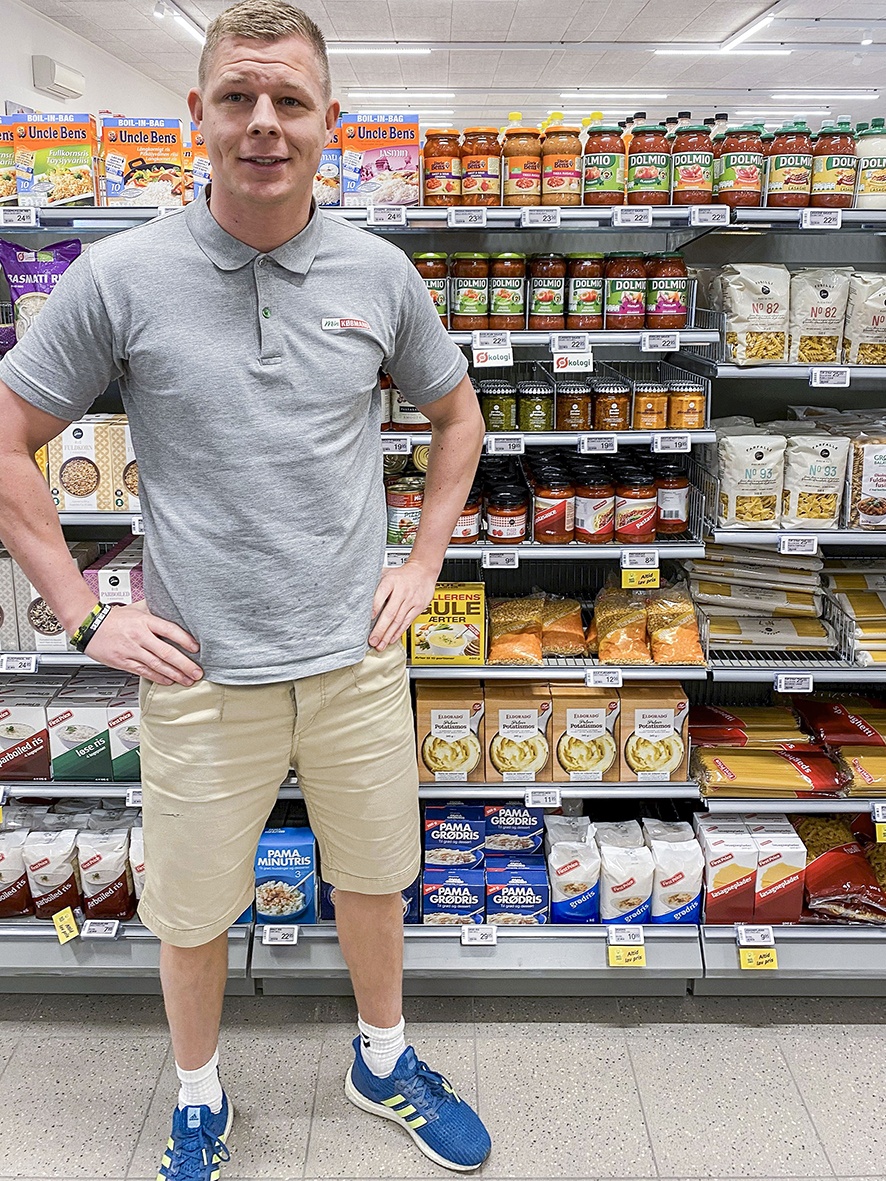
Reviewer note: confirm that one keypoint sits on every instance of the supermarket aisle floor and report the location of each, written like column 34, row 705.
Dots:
column 633, row 1089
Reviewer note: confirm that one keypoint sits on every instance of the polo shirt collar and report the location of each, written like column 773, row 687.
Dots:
column 230, row 254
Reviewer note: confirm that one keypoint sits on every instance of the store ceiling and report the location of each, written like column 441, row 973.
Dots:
column 597, row 45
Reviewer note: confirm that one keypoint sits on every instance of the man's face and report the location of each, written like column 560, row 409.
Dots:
column 265, row 118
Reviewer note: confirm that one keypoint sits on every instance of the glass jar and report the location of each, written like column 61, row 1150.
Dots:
column 667, row 292
column 481, row 167
column 594, row 507
column 441, row 157
column 507, row 514
column 575, row 406
column 872, row 167
column 649, row 166
column 686, row 406
column 553, row 511
column 405, row 416
column 672, row 499
column 469, row 292
column 499, row 407
column 834, row 168
column 385, row 383
column 612, row 406
column 636, row 508
column 650, row 406
column 584, row 303
column 625, row 291
column 740, row 168
column 717, row 149
column 467, row 527
column 507, row 291
column 535, row 407
column 522, row 166
column 561, row 166
column 547, row 291
column 434, row 269
column 692, row 165
column 603, row 165
column 789, row 168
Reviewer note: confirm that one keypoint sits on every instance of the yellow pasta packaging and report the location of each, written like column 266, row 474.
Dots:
column 814, row 479
column 730, row 874
column 586, row 734
column 768, row 633
column 747, row 773
column 867, row 766
column 780, row 877
column 654, row 733
column 518, row 733
column 751, row 471
column 736, row 600
column 450, row 733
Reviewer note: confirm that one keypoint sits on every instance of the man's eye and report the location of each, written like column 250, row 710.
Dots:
column 234, row 98
column 290, row 102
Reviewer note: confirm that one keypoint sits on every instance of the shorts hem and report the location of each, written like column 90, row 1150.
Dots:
column 393, row 884
column 192, row 936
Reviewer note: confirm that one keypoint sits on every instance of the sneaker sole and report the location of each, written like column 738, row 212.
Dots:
column 365, row 1104
column 223, row 1137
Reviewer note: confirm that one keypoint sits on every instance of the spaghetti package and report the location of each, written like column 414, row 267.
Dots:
column 867, row 766
column 850, row 721
column 797, row 773
column 515, row 631
column 673, row 627
column 741, row 719
column 759, row 556
column 562, row 629
column 863, row 606
column 814, row 479
column 840, row 881
column 620, row 616
column 751, row 471
column 749, row 572
column 842, row 581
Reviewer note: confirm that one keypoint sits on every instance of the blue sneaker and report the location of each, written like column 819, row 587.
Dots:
column 446, row 1129
column 197, row 1143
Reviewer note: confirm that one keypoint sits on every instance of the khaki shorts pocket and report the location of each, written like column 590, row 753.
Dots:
column 200, row 704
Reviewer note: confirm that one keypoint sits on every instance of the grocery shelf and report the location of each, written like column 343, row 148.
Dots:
column 65, row 789
column 829, row 960
column 598, row 339
column 122, row 520
column 533, row 552
column 824, row 536
column 537, row 961
column 852, row 805
column 789, row 219
column 745, row 667
column 857, row 373
column 558, row 668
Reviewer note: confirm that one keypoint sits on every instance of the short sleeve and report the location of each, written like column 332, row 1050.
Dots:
column 426, row 363
column 67, row 358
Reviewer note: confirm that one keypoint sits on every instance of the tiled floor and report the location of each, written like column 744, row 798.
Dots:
column 570, row 1089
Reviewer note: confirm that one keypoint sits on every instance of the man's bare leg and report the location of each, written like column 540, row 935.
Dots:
column 370, row 934
column 193, row 981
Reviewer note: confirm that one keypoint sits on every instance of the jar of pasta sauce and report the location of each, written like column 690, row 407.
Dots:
column 481, row 167
column 612, row 406
column 467, row 527
column 686, row 406
column 650, row 406
column 672, row 497
column 575, row 406
column 561, row 180
column 442, row 167
column 507, row 514
column 469, row 292
column 604, row 167
column 740, row 168
column 667, row 292
column 522, row 166
column 692, row 165
column 649, row 166
column 584, row 300
column 594, row 507
column 636, row 508
column 535, row 406
column 507, row 291
column 547, row 292
column 834, row 167
column 434, row 269
column 789, row 168
column 499, row 407
column 553, row 510
column 405, row 416
column 624, row 287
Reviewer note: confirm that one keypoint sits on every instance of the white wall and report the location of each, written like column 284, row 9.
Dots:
column 110, row 83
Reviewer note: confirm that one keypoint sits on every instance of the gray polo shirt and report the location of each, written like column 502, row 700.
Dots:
column 250, row 381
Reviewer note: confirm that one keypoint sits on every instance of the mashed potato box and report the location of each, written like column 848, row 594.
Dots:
column 586, row 734
column 654, row 742
column 286, row 876
column 450, row 731
column 518, row 733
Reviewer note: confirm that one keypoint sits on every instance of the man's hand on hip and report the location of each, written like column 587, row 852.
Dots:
column 403, row 593
column 133, row 639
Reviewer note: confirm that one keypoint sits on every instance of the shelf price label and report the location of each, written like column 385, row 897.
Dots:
column 570, row 342
column 18, row 219
column 878, row 813
column 821, row 219
column 280, row 936
column 807, row 546
column 479, row 935
column 709, row 215
column 490, row 338
column 659, row 342
column 626, row 947
column 65, row 925
column 492, row 358
column 466, row 217
column 794, row 682
column 505, row 445
column 100, row 929
column 166, row 210
column 604, row 678
column 543, row 797
column 137, row 525
column 540, row 217
column 597, row 444
column 756, row 947
column 392, row 444
column 671, row 443
column 829, row 376
column 18, row 662
column 386, row 215
column 574, row 362
column 639, row 559
column 134, row 797
column 500, row 559
column 394, row 559
column 632, row 216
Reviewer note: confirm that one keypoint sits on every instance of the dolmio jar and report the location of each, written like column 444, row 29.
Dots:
column 692, row 166
column 481, row 167
column 469, row 295
column 740, row 168
column 789, row 167
column 834, row 167
column 625, row 291
column 667, row 292
column 442, row 164
column 434, row 270
column 561, row 180
column 522, row 166
column 649, row 166
column 604, row 167
column 547, row 292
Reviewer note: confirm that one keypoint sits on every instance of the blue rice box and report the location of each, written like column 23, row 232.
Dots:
column 410, row 902
column 452, row 897
column 513, row 828
column 455, row 837
column 327, row 181
column 518, row 898
column 500, row 861
column 286, row 876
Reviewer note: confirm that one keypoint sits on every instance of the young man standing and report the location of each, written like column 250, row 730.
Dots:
column 247, row 334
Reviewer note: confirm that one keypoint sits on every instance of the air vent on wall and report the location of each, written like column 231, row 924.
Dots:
column 54, row 78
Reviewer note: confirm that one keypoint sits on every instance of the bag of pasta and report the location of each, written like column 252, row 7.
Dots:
column 515, row 630
column 864, row 334
column 814, row 479
column 840, row 881
column 751, row 470
column 818, row 308
column 867, row 485
column 620, row 616
column 756, row 300
column 673, row 627
column 562, row 629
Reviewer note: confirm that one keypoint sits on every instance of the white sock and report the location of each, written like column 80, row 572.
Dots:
column 201, row 1086
column 381, row 1047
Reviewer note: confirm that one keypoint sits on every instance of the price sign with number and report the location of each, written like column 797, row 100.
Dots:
column 878, row 813
column 543, row 797
column 134, row 797
column 821, row 219
column 659, row 342
column 393, row 559
column 794, row 682
column 829, row 376
column 709, row 215
column 747, row 935
column 490, row 338
column 13, row 218
column 280, row 936
column 798, row 545
column 137, row 525
column 540, row 217
column 392, row 444
column 18, row 662
column 65, row 925
column 604, row 678
column 756, row 947
column 479, row 935
column 632, row 215
column 492, row 358
column 598, row 444
column 626, row 947
column 505, row 445
column 100, row 929
column 671, row 444
column 466, row 218
column 386, row 215
column 500, row 559
column 639, row 559
column 573, row 362
column 570, row 342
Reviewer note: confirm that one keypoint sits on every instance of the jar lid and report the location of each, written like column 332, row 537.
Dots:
column 650, row 387
column 429, row 256
column 876, row 128
column 536, row 257
column 442, row 131
column 609, row 128
column 692, row 127
column 481, row 131
column 585, row 255
column 508, row 254
column 471, row 254
column 534, row 389
column 507, row 495
column 612, row 387
column 686, row 386
column 625, row 254
column 671, row 469
column 562, row 129
column 574, row 387
column 650, row 129
column 407, row 484
column 523, row 131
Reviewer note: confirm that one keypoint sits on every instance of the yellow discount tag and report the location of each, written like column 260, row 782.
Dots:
column 627, row 957
column 757, row 957
column 65, row 925
column 647, row 579
column 880, row 833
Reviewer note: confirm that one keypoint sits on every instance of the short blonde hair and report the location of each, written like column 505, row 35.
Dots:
column 265, row 20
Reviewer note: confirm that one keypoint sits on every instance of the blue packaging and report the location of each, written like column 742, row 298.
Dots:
column 410, row 902
column 454, row 837
column 517, row 897
column 286, row 876
column 500, row 861
column 513, row 828
column 452, row 897
column 327, row 181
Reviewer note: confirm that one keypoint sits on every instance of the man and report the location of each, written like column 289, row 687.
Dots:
column 247, row 333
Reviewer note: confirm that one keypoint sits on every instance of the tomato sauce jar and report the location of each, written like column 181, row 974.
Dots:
column 522, row 166
column 553, row 510
column 612, row 406
column 649, row 166
column 547, row 292
column 667, row 292
column 636, row 508
column 467, row 527
column 507, row 514
column 434, row 269
column 603, row 165
column 469, row 293
column 481, row 167
column 561, row 180
column 740, row 168
column 575, row 406
column 834, row 168
column 584, row 300
column 625, row 291
column 507, row 291
column 650, row 406
column 594, row 507
column 672, row 496
column 692, row 165
column 442, row 167
column 789, row 168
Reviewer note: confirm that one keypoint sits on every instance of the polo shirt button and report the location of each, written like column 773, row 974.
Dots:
column 266, row 312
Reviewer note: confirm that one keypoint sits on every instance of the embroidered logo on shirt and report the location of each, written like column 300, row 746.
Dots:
column 329, row 324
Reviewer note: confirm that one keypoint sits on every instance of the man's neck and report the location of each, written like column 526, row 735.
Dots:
column 264, row 228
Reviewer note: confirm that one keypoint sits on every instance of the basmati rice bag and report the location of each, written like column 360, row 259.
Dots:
column 756, row 300
column 32, row 274
column 818, row 308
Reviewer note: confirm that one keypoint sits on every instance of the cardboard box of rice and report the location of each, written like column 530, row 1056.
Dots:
column 654, row 743
column 450, row 732
column 586, row 734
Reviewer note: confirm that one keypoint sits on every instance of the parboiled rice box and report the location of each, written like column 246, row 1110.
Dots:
column 286, row 876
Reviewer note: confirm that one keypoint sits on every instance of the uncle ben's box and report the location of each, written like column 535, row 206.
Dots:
column 55, row 159
column 380, row 160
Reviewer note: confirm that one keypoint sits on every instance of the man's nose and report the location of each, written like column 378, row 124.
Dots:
column 264, row 117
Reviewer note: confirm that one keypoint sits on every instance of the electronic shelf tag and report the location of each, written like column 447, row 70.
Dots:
column 543, row 797
column 466, row 217
column 386, row 215
column 640, row 569
column 500, row 559
column 395, row 558
column 479, row 935
column 573, row 362
column 393, row 444
column 18, row 218
column 490, row 338
column 709, row 215
column 672, row 443
column 133, row 797
column 570, row 342
column 279, row 936
column 639, row 559
column 794, row 682
column 756, row 947
column 100, row 929
column 659, row 342
column 829, row 376
column 632, row 215
column 490, row 358
column 137, row 525
column 505, row 445
column 821, row 219
column 603, row 678
column 18, row 662
column 65, row 925
column 878, row 813
column 166, row 210
column 540, row 217
column 626, row 946
column 597, row 444
column 808, row 546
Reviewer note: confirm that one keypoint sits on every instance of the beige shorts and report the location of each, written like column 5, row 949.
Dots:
column 214, row 756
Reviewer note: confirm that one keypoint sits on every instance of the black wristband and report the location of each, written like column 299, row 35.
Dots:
column 82, row 643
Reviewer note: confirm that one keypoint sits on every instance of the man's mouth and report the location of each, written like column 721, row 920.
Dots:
column 265, row 161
